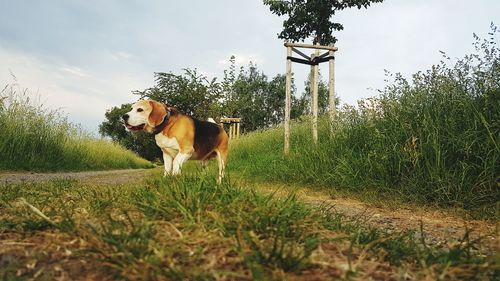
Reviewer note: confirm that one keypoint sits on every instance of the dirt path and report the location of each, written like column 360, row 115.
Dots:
column 105, row 177
column 439, row 226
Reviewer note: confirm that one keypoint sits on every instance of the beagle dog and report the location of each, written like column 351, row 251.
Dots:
column 179, row 136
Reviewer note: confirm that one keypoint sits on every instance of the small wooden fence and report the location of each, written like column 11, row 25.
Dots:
column 234, row 126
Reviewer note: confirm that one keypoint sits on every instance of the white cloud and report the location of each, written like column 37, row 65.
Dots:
column 82, row 96
column 74, row 71
column 241, row 59
column 120, row 55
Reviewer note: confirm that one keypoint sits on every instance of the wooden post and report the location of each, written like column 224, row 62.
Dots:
column 314, row 98
column 332, row 111
column 288, row 97
column 238, row 130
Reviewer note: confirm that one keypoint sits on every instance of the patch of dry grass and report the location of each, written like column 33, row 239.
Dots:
column 191, row 229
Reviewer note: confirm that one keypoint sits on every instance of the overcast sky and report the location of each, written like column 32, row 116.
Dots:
column 85, row 56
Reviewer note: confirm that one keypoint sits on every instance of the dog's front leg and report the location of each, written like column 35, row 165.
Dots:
column 167, row 163
column 179, row 159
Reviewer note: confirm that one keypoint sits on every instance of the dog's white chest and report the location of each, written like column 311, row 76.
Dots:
column 165, row 142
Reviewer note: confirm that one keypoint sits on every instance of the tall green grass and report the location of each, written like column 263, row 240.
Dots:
column 434, row 139
column 33, row 137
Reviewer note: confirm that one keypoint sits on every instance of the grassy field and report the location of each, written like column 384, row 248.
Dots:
column 189, row 228
column 433, row 140
column 34, row 138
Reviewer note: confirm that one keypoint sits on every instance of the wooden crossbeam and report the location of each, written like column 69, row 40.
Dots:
column 308, row 62
column 230, row 120
column 300, row 53
column 324, row 54
column 320, row 60
column 314, row 61
column 321, row 47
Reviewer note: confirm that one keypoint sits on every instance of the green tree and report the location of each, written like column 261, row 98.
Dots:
column 323, row 95
column 312, row 18
column 249, row 98
column 258, row 100
column 191, row 93
column 276, row 101
column 229, row 99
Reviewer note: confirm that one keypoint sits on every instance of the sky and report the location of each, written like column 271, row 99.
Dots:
column 86, row 56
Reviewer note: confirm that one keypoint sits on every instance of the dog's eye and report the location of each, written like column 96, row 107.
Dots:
column 140, row 110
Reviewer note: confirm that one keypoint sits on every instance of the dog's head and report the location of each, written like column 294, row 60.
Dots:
column 145, row 115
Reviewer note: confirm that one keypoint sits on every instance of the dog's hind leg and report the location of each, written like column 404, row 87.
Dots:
column 221, row 159
column 203, row 166
column 179, row 159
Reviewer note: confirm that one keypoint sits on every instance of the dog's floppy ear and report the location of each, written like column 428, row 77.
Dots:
column 158, row 113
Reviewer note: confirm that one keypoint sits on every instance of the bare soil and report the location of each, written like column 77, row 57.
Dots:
column 104, row 177
column 435, row 226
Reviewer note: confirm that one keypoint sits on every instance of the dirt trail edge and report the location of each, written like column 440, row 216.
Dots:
column 104, row 177
column 439, row 227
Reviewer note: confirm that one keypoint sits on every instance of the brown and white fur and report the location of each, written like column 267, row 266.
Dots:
column 179, row 136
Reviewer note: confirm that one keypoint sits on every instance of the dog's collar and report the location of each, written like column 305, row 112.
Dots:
column 158, row 129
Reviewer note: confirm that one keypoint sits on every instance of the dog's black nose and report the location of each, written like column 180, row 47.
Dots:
column 125, row 117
